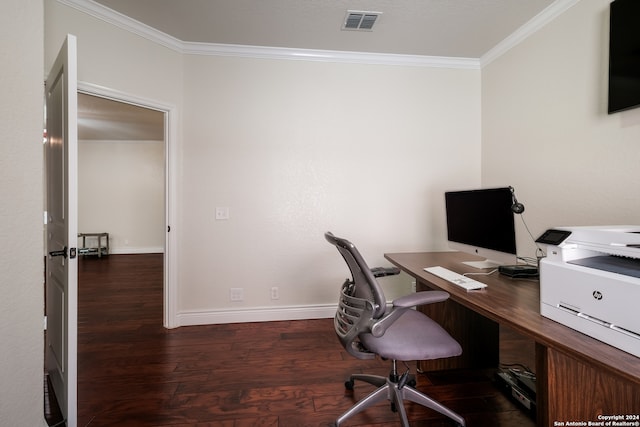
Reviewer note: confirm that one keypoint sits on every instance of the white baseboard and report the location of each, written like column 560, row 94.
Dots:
column 131, row 251
column 258, row 314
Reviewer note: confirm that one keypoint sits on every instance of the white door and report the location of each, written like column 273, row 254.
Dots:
column 61, row 229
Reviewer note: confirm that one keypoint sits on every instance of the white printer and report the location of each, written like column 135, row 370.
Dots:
column 590, row 282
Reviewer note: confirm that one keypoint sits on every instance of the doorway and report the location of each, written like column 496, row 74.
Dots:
column 121, row 183
column 106, row 114
column 126, row 127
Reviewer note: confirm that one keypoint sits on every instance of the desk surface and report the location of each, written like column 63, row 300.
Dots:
column 516, row 304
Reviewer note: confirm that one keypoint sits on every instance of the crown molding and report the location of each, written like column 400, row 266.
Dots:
column 262, row 52
column 554, row 10
column 124, row 22
column 192, row 48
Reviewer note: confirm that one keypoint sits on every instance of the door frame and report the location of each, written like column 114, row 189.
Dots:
column 170, row 291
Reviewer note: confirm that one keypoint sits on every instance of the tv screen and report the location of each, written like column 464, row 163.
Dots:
column 624, row 55
column 481, row 222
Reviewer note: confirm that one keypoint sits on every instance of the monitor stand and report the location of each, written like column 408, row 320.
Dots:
column 485, row 264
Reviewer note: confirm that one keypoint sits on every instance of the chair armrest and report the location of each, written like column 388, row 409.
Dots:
column 385, row 271
column 420, row 298
column 404, row 303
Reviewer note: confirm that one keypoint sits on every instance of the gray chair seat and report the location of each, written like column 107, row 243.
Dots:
column 413, row 336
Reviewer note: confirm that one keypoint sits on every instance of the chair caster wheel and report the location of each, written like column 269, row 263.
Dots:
column 348, row 385
column 412, row 383
column 393, row 407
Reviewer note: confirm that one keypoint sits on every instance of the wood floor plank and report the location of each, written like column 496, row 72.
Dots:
column 133, row 372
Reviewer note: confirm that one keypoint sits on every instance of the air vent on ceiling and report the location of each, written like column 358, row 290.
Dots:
column 358, row 20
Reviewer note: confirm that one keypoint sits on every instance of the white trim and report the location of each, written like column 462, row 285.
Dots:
column 259, row 314
column 172, row 220
column 112, row 141
column 122, row 21
column 116, row 95
column 260, row 52
column 554, row 10
column 126, row 250
column 136, row 27
column 170, row 293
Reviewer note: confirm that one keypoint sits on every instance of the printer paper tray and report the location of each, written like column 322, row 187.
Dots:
column 618, row 337
column 613, row 264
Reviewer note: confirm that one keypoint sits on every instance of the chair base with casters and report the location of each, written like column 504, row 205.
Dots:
column 367, row 326
column 396, row 389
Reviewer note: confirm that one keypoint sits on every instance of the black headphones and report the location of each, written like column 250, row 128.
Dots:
column 516, row 207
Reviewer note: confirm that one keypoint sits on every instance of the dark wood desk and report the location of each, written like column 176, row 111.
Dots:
column 578, row 377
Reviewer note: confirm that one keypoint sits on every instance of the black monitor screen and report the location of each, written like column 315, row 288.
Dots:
column 481, row 218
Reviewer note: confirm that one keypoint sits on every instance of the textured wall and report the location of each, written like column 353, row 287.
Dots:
column 293, row 149
column 546, row 130
column 21, row 251
column 121, row 192
column 297, row 148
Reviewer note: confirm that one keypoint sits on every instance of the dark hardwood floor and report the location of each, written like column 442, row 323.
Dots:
column 133, row 372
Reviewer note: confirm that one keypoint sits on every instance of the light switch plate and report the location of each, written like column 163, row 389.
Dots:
column 222, row 213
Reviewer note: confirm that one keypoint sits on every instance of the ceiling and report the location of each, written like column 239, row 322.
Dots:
column 434, row 28
column 449, row 28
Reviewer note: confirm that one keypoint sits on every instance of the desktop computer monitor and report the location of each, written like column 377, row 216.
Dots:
column 481, row 222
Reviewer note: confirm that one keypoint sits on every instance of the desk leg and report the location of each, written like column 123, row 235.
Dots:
column 542, row 386
column 478, row 336
column 571, row 390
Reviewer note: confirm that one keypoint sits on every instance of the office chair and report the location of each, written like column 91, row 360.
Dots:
column 366, row 327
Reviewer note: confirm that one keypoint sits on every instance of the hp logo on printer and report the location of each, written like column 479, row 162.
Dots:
column 597, row 295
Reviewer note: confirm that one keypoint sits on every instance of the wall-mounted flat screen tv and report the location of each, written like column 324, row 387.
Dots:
column 624, row 55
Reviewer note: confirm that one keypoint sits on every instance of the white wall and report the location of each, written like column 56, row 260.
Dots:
column 545, row 129
column 293, row 148
column 121, row 192
column 21, row 252
column 298, row 148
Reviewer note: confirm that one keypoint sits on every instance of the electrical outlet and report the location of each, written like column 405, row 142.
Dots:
column 275, row 293
column 236, row 294
column 222, row 213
